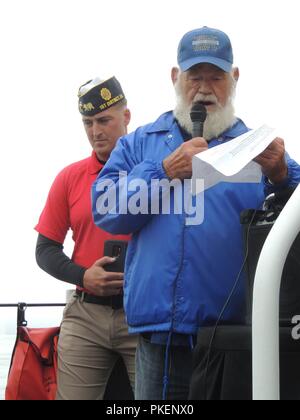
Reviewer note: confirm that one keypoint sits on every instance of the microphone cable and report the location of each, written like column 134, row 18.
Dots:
column 226, row 305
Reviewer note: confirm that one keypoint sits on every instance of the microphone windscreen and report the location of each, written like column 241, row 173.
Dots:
column 198, row 112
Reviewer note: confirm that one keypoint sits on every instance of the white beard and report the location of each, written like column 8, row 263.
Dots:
column 216, row 122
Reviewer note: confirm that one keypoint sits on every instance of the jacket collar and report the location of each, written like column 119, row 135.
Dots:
column 236, row 130
column 163, row 123
column 167, row 123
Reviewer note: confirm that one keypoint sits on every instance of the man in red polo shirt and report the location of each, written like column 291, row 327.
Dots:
column 93, row 331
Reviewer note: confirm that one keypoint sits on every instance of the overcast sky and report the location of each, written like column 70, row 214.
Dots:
column 50, row 48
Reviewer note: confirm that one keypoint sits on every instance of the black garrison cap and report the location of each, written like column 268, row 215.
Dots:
column 97, row 95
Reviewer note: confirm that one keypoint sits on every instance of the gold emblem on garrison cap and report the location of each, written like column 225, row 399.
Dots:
column 97, row 96
column 88, row 107
column 106, row 94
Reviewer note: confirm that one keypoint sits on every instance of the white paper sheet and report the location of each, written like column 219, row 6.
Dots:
column 233, row 161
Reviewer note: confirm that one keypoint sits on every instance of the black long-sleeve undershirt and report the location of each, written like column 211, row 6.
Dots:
column 51, row 258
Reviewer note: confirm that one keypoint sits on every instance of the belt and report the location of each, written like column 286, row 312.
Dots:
column 115, row 302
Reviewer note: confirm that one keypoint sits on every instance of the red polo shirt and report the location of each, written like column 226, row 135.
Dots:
column 69, row 207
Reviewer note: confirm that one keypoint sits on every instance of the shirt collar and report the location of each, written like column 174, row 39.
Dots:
column 94, row 165
column 236, row 130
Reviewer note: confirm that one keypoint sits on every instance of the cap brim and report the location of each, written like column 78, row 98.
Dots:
column 222, row 64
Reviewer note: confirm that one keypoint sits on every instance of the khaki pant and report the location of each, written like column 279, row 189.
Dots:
column 91, row 339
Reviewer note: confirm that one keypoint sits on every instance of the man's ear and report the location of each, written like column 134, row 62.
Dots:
column 236, row 73
column 174, row 74
column 127, row 116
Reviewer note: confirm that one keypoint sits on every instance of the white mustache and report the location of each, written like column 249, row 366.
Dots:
column 202, row 98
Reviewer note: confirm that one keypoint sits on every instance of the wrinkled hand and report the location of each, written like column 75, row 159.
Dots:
column 179, row 164
column 102, row 283
column 273, row 162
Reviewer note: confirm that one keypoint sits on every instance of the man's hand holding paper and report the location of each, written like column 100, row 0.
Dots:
column 179, row 164
column 273, row 162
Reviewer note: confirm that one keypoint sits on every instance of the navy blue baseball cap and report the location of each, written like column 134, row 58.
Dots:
column 205, row 45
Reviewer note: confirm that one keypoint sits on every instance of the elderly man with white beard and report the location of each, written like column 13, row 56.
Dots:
column 179, row 276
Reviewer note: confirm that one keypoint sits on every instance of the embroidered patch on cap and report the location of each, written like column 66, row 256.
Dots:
column 205, row 43
column 105, row 94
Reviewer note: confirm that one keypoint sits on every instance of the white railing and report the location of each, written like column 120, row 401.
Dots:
column 265, row 317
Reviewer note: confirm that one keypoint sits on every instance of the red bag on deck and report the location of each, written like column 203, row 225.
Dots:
column 32, row 374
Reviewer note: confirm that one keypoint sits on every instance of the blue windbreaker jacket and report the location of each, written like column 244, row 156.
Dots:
column 178, row 277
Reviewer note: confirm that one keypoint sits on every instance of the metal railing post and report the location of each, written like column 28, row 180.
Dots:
column 265, row 316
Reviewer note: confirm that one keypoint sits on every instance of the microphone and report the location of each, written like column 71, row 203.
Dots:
column 198, row 116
